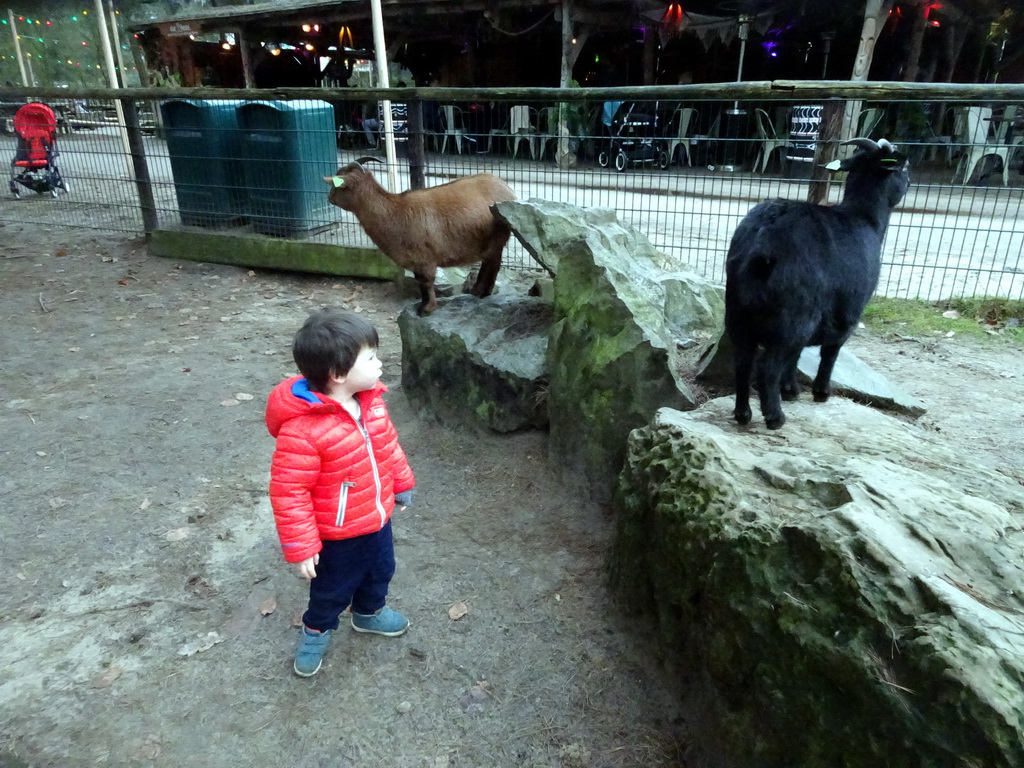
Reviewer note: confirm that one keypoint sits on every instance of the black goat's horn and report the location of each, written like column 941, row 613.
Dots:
column 861, row 143
column 368, row 158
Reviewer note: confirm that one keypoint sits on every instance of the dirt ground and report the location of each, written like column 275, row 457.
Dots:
column 148, row 619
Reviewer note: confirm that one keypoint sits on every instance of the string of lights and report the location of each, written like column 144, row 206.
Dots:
column 50, row 40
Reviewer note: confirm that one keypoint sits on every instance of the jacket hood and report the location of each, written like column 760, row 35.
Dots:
column 293, row 397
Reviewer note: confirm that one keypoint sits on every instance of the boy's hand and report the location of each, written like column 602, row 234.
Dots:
column 307, row 568
column 404, row 499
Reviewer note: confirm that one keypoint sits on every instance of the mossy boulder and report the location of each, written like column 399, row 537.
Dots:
column 847, row 592
column 479, row 362
column 613, row 356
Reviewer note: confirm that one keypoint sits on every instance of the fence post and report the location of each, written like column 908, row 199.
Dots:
column 829, row 134
column 415, row 144
column 143, row 184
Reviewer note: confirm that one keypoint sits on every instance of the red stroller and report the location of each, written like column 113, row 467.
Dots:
column 34, row 165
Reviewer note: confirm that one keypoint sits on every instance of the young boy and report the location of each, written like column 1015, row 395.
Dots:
column 336, row 475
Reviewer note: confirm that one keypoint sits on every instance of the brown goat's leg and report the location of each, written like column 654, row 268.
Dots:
column 428, row 299
column 488, row 274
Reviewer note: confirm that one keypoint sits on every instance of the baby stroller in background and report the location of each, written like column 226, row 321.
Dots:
column 34, row 165
column 634, row 139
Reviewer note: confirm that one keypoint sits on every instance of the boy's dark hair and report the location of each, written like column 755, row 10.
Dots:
column 329, row 342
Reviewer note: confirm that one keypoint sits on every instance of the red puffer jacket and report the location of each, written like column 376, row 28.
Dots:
column 329, row 479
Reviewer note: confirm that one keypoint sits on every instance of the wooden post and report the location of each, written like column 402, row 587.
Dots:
column 571, row 47
column 243, row 51
column 650, row 41
column 17, row 48
column 143, row 184
column 417, row 160
column 826, row 150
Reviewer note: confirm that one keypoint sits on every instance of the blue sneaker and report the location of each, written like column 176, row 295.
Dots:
column 310, row 655
column 384, row 622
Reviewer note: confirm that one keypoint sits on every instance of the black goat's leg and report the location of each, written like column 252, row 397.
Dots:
column 770, row 370
column 428, row 299
column 743, row 360
column 822, row 387
column 788, row 387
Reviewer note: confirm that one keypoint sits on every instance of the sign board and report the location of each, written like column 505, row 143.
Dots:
column 180, row 28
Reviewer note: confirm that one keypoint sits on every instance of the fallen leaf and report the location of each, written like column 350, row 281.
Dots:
column 20, row 576
column 145, row 504
column 243, row 396
column 106, row 678
column 40, row 453
column 61, row 253
column 268, row 606
column 57, row 503
column 250, row 273
column 952, row 314
column 186, row 370
column 201, row 644
column 457, row 611
column 177, row 534
column 228, row 403
column 74, row 349
column 122, row 282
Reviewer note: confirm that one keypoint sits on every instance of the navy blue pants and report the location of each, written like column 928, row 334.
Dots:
column 352, row 572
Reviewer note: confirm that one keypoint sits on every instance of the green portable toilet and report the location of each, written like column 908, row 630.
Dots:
column 202, row 142
column 288, row 147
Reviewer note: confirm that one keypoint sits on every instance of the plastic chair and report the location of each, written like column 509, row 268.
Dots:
column 451, row 125
column 521, row 126
column 975, row 123
column 683, row 117
column 547, row 129
column 867, row 121
column 769, row 138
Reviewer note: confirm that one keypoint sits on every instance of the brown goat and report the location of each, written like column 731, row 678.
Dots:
column 423, row 229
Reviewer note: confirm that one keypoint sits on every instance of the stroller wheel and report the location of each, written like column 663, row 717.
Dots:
column 53, row 192
column 663, row 160
column 603, row 158
column 621, row 161
column 14, row 189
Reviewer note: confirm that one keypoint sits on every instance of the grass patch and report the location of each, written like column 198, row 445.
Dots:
column 976, row 317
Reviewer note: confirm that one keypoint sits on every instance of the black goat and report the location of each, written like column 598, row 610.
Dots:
column 798, row 275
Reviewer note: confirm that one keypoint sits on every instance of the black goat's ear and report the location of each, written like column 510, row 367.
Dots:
column 839, row 165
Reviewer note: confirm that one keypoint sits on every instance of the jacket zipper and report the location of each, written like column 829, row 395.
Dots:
column 343, row 503
column 376, row 473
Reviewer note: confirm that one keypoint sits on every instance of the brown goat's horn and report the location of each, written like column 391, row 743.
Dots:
column 861, row 143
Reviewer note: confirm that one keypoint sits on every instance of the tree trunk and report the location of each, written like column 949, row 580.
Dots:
column 875, row 14
column 913, row 64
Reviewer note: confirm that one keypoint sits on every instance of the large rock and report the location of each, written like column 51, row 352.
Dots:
column 613, row 354
column 478, row 362
column 851, row 377
column 848, row 592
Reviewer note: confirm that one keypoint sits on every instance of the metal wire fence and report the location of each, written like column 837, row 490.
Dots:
column 680, row 165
